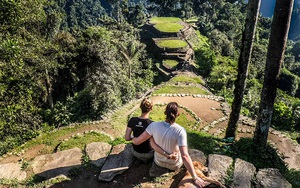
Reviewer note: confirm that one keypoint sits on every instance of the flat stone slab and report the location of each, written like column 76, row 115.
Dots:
column 119, row 160
column 218, row 166
column 12, row 171
column 271, row 177
column 291, row 152
column 97, row 152
column 244, row 173
column 52, row 165
column 197, row 155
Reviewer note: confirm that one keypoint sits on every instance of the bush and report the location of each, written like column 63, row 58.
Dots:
column 206, row 60
column 282, row 116
column 288, row 82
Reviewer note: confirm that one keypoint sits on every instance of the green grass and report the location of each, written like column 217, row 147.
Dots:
column 120, row 118
column 81, row 140
column 169, row 63
column 157, row 20
column 205, row 142
column 181, row 90
column 50, row 139
column 169, row 27
column 187, row 79
column 171, row 43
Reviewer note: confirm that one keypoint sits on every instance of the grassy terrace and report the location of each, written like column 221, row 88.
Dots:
column 53, row 138
column 169, row 27
column 171, row 43
column 157, row 20
column 167, row 24
column 180, row 89
column 187, row 79
column 169, row 63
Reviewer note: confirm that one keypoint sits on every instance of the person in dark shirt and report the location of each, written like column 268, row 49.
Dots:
column 136, row 126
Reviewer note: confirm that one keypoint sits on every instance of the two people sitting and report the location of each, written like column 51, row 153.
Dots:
column 167, row 138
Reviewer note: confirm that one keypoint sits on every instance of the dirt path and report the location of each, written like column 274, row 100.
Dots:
column 208, row 110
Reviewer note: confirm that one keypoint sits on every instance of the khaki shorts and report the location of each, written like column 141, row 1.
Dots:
column 170, row 166
column 143, row 156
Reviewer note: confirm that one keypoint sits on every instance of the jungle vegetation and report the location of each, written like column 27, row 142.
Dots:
column 66, row 61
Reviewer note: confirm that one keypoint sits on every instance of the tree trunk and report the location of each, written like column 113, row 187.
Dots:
column 48, row 86
column 244, row 59
column 275, row 54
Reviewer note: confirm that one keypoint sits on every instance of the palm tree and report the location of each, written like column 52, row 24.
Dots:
column 275, row 54
column 244, row 59
column 129, row 52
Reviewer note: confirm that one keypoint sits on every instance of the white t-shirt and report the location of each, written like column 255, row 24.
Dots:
column 169, row 138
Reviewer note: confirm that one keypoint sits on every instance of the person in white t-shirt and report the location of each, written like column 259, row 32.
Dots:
column 172, row 139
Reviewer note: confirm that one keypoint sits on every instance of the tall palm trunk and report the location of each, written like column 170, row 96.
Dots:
column 275, row 54
column 244, row 59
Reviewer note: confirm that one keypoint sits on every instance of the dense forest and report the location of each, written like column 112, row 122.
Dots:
column 66, row 61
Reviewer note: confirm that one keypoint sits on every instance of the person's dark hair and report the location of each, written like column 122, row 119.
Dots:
column 171, row 112
column 146, row 105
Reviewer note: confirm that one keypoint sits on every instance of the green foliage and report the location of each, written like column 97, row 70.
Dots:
column 296, row 50
column 223, row 74
column 117, row 141
column 25, row 164
column 252, row 97
column 205, row 57
column 136, row 15
column 80, row 106
column 10, row 13
column 230, row 175
column 34, row 180
column 258, row 61
column 9, row 183
column 288, row 82
column 221, row 44
column 61, row 115
column 79, row 14
column 175, row 43
column 292, row 176
column 282, row 116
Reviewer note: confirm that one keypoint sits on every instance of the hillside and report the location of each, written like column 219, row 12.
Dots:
column 73, row 72
column 71, row 152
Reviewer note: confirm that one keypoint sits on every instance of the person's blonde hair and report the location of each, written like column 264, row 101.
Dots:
column 146, row 105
